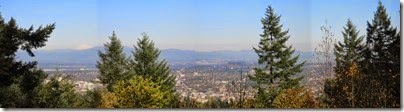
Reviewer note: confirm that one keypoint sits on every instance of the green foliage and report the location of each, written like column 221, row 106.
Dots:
column 113, row 63
column 12, row 96
column 344, row 91
column 280, row 66
column 330, row 93
column 140, row 92
column 17, row 76
column 367, row 75
column 347, row 89
column 146, row 63
column 295, row 98
column 19, row 94
column 59, row 92
column 99, row 98
column 382, row 63
column 93, row 99
column 114, row 68
column 350, row 50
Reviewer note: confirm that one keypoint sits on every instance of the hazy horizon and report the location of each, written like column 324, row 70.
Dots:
column 131, row 47
column 199, row 25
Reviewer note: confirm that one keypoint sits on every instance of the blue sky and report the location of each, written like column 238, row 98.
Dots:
column 202, row 25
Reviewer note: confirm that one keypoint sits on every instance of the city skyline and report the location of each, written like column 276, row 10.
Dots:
column 198, row 25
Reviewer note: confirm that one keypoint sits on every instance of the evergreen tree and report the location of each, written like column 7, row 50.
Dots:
column 350, row 50
column 279, row 65
column 147, row 64
column 381, row 61
column 12, row 96
column 58, row 92
column 20, row 77
column 395, row 66
column 140, row 92
column 93, row 98
column 112, row 64
column 347, row 54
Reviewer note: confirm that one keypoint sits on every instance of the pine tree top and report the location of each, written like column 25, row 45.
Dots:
column 351, row 48
column 112, row 63
column 351, row 35
column 145, row 51
column 146, row 63
column 271, row 25
column 381, row 19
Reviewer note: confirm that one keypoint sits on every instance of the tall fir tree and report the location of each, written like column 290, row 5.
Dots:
column 279, row 65
column 348, row 53
column 382, row 61
column 145, row 62
column 18, row 76
column 113, row 63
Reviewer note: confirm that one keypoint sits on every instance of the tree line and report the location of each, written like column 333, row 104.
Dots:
column 366, row 72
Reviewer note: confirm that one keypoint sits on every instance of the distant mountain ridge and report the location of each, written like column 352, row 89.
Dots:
column 173, row 56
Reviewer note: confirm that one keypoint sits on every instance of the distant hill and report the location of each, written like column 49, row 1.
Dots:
column 173, row 56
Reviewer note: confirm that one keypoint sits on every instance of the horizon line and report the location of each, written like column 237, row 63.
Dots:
column 131, row 47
